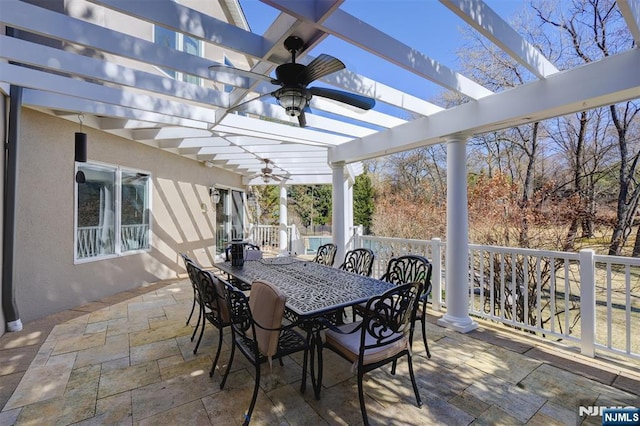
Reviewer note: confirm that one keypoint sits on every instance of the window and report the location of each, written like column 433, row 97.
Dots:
column 112, row 212
column 229, row 218
column 181, row 42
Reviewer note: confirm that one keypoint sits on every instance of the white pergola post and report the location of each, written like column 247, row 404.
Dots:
column 339, row 209
column 283, row 221
column 348, row 210
column 457, row 260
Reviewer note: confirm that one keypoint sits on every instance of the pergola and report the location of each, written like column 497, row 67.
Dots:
column 112, row 78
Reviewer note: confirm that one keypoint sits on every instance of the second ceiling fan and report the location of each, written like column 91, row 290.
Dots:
column 293, row 79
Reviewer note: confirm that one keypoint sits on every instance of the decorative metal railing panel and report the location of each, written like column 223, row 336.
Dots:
column 580, row 298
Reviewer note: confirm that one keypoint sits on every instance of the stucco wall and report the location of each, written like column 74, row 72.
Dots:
column 47, row 280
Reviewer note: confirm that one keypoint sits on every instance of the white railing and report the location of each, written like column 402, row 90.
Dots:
column 134, row 237
column 93, row 242
column 582, row 298
column 268, row 237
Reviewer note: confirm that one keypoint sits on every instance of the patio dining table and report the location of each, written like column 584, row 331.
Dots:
column 314, row 293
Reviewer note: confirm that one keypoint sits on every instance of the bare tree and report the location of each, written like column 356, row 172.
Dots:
column 594, row 29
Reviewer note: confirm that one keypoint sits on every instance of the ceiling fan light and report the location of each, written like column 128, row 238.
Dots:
column 266, row 178
column 293, row 100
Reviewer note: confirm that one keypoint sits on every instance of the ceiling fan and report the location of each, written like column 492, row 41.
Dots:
column 293, row 79
column 266, row 173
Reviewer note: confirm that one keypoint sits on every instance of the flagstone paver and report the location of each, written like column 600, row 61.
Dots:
column 129, row 359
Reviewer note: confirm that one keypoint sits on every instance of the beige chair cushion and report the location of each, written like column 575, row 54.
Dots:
column 267, row 307
column 349, row 344
column 222, row 301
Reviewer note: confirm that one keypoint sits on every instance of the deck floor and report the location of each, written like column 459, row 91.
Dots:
column 129, row 359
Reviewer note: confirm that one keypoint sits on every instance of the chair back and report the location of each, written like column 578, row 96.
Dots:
column 267, row 308
column 389, row 317
column 408, row 269
column 192, row 270
column 359, row 261
column 326, row 254
column 212, row 290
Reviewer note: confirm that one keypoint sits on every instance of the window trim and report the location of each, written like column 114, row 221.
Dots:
column 118, row 213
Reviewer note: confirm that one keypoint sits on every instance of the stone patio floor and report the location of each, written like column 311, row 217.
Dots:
column 128, row 359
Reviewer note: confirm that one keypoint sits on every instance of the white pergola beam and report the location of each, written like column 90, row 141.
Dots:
column 359, row 33
column 185, row 20
column 630, row 10
column 555, row 96
column 488, row 23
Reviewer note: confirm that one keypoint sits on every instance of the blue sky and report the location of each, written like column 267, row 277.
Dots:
column 424, row 24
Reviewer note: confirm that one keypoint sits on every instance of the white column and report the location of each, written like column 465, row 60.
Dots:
column 457, row 260
column 338, row 211
column 348, row 210
column 284, row 249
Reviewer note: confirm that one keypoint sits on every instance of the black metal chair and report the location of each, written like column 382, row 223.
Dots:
column 194, row 285
column 326, row 254
column 408, row 269
column 359, row 261
column 258, row 332
column 214, row 308
column 192, row 270
column 383, row 336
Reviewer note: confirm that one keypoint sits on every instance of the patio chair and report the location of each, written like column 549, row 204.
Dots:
column 214, row 308
column 187, row 259
column 359, row 261
column 192, row 270
column 408, row 269
column 258, row 332
column 383, row 336
column 326, row 254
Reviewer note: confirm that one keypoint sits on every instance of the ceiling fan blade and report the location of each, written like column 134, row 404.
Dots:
column 319, row 67
column 353, row 99
column 238, row 72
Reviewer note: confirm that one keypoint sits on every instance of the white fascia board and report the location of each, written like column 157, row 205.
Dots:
column 109, row 123
column 188, row 21
column 630, row 10
column 560, row 94
column 56, row 101
column 241, row 132
column 22, row 51
column 488, row 23
column 293, row 180
column 31, row 78
column 288, row 148
column 353, row 30
column 38, row 20
column 282, row 130
column 250, row 141
column 314, row 11
column 227, row 158
column 203, row 142
column 222, row 150
column 168, row 133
